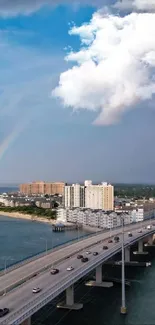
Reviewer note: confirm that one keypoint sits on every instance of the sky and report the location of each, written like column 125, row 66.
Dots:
column 77, row 91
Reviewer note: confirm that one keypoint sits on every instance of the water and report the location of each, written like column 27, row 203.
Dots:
column 20, row 239
column 102, row 306
column 5, row 189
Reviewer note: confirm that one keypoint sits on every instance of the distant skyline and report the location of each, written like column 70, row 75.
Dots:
column 77, row 91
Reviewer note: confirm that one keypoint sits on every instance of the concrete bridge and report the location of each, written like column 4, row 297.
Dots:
column 18, row 284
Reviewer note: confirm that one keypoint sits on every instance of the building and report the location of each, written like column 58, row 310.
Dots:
column 87, row 183
column 92, row 218
column 42, row 188
column 74, row 196
column 138, row 213
column 89, row 196
column 99, row 196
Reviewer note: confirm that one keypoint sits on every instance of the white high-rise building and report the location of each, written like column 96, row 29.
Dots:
column 94, row 197
column 90, row 196
column 87, row 183
column 99, row 197
column 74, row 196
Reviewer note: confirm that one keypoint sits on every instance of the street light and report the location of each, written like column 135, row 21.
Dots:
column 123, row 309
column 45, row 243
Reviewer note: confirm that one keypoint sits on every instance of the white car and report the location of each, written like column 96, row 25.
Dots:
column 70, row 268
column 36, row 290
column 88, row 252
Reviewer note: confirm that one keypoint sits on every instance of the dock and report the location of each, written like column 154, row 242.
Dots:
column 65, row 227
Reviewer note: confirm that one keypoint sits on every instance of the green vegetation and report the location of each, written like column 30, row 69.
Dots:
column 32, row 210
column 135, row 191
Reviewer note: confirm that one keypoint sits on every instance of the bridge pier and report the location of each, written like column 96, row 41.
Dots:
column 127, row 254
column 99, row 282
column 140, row 246
column 150, row 240
column 27, row 321
column 69, row 303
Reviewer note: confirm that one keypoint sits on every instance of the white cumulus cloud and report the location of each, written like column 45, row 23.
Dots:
column 136, row 5
column 114, row 68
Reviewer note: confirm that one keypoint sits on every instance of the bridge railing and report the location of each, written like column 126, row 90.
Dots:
column 42, row 254
column 58, row 288
column 49, row 251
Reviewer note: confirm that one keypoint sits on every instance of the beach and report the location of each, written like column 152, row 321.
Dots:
column 19, row 215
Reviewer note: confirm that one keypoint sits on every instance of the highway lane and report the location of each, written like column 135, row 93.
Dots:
column 22, row 295
column 27, row 271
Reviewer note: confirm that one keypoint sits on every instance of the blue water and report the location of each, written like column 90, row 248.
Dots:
column 20, row 239
column 8, row 189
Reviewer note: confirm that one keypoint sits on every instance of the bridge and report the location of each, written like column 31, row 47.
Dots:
column 19, row 282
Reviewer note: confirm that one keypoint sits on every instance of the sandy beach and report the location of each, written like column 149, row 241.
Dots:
column 19, row 215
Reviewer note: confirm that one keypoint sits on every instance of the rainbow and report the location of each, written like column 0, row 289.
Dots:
column 5, row 145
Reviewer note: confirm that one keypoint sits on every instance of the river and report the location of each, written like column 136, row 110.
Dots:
column 21, row 238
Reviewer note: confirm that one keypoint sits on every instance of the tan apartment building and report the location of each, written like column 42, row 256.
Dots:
column 42, row 188
column 108, row 197
column 99, row 196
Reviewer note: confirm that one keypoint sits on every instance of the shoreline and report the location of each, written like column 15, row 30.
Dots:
column 19, row 215
column 35, row 218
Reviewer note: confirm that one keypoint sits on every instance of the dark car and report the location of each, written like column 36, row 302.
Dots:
column 84, row 259
column 116, row 239
column 54, row 271
column 79, row 256
column 95, row 253
column 4, row 312
column 110, row 241
column 129, row 234
column 105, row 247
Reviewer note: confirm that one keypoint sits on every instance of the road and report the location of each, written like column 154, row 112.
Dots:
column 21, row 296
column 25, row 272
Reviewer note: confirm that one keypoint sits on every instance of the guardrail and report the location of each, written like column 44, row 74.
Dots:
column 47, row 266
column 63, row 245
column 35, row 304
column 51, row 250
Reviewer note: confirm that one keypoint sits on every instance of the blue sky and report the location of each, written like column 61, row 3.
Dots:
column 40, row 139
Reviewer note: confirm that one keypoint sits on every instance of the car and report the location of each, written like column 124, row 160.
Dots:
column 54, row 271
column 79, row 256
column 105, row 247
column 36, row 290
column 88, row 252
column 116, row 239
column 95, row 253
column 110, row 241
column 139, row 231
column 129, row 234
column 84, row 259
column 70, row 268
column 4, row 311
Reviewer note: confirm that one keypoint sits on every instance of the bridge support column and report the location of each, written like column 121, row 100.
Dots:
column 99, row 282
column 150, row 240
column 27, row 321
column 127, row 254
column 140, row 246
column 69, row 303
